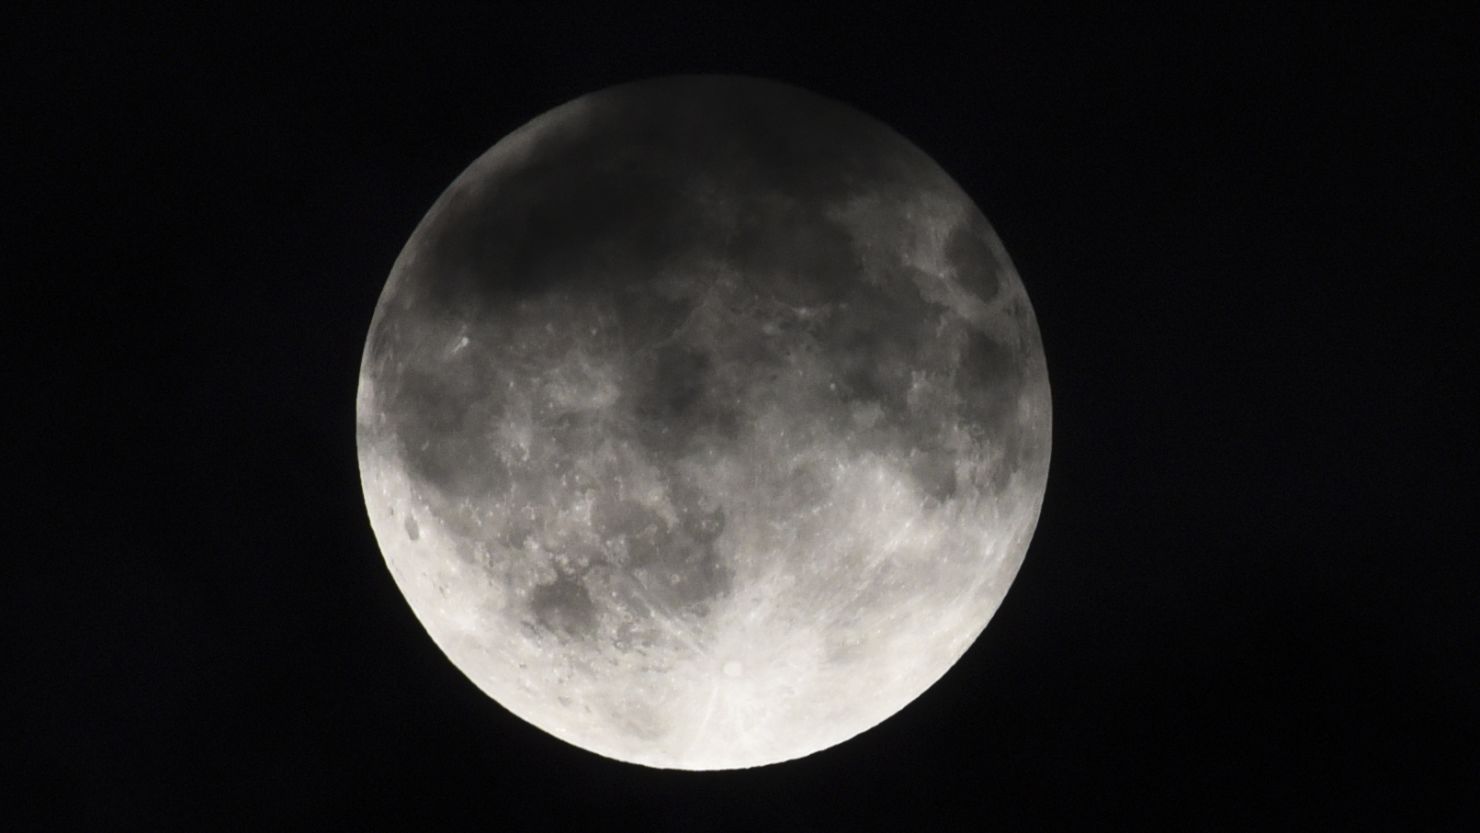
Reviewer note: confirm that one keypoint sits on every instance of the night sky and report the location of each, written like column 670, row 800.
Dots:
column 1250, row 601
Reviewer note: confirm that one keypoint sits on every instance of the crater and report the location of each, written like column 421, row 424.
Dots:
column 564, row 607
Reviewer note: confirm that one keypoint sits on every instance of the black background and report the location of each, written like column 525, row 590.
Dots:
column 1250, row 601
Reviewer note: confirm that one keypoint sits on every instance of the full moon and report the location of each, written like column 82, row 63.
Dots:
column 703, row 422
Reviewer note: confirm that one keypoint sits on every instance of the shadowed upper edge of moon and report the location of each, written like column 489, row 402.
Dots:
column 622, row 183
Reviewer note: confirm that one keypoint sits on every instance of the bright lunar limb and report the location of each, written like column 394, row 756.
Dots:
column 703, row 422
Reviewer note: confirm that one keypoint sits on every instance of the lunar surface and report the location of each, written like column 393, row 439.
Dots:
column 703, row 422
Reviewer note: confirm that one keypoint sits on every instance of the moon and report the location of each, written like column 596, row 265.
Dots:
column 703, row 422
